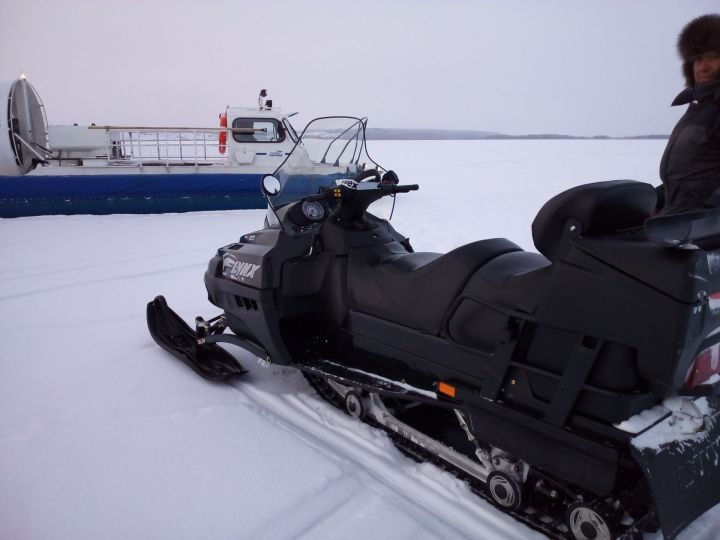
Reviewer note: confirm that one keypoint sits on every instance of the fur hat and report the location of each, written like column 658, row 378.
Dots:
column 700, row 36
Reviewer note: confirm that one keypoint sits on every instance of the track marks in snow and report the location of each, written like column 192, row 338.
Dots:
column 303, row 518
column 84, row 265
column 87, row 282
column 441, row 505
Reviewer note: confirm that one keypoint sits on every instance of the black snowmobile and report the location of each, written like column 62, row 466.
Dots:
column 578, row 387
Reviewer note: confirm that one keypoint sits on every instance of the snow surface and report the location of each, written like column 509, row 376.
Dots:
column 684, row 426
column 104, row 435
column 643, row 420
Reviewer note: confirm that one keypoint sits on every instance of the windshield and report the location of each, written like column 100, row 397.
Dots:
column 330, row 149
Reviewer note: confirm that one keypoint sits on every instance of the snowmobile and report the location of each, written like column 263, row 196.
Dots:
column 576, row 388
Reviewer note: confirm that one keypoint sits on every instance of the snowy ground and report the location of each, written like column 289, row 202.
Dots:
column 103, row 435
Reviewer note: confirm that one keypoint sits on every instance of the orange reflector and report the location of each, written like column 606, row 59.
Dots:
column 445, row 388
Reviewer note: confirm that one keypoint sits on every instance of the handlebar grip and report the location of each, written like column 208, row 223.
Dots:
column 389, row 189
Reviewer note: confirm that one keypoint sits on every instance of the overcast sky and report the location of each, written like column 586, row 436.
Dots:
column 513, row 66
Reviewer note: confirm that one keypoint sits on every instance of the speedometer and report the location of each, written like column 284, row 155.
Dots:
column 313, row 210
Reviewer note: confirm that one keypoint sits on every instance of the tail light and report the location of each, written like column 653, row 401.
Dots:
column 705, row 365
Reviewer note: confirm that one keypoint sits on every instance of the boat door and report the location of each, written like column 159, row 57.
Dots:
column 258, row 137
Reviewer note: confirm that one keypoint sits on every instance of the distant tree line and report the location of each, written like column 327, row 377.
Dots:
column 452, row 134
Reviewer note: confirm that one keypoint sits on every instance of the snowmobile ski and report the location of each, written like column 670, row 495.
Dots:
column 174, row 335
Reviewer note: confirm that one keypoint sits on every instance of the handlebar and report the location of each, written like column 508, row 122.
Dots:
column 353, row 203
column 384, row 189
column 389, row 189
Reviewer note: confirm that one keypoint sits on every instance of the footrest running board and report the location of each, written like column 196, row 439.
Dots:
column 350, row 376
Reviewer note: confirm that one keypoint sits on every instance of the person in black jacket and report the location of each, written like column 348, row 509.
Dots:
column 690, row 166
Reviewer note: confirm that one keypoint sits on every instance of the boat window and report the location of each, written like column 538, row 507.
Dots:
column 261, row 130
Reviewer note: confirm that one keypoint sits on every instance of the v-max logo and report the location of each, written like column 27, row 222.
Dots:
column 237, row 269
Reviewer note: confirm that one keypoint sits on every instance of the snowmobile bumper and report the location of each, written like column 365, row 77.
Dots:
column 682, row 470
column 196, row 349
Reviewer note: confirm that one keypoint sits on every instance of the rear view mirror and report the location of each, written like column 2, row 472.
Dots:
column 270, row 185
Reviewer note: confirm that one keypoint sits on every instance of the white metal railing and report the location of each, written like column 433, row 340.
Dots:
column 167, row 145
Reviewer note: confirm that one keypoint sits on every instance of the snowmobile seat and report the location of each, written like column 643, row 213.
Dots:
column 416, row 289
column 514, row 280
column 594, row 209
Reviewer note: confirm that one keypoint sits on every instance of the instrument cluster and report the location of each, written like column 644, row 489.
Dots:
column 306, row 213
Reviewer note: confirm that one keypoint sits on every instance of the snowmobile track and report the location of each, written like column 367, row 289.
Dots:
column 541, row 523
column 301, row 420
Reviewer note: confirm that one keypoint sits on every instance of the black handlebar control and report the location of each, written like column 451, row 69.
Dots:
column 389, row 189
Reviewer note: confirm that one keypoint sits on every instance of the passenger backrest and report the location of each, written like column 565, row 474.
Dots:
column 591, row 210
